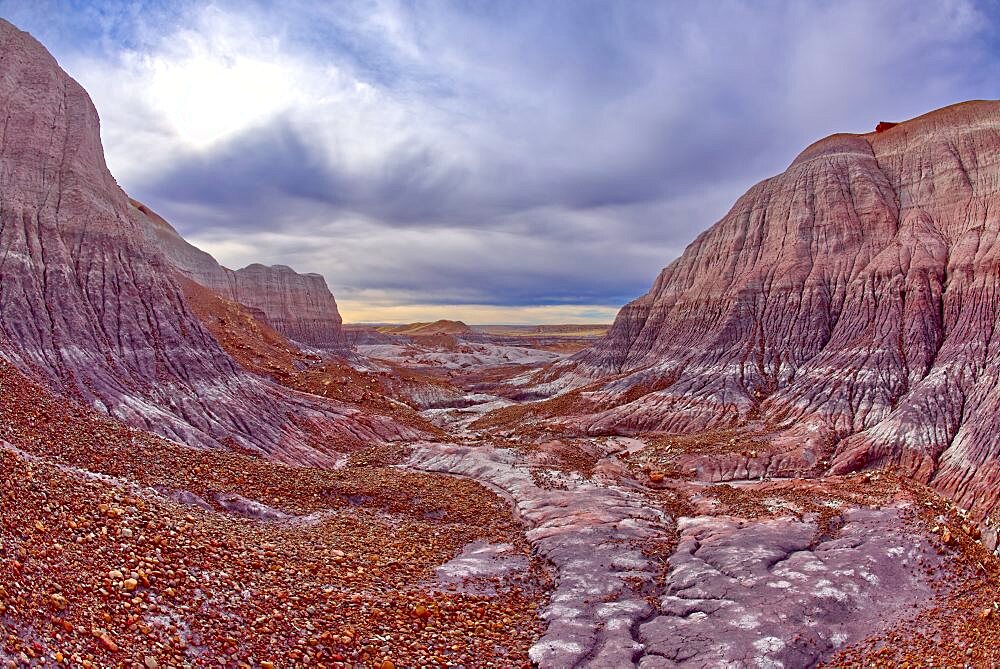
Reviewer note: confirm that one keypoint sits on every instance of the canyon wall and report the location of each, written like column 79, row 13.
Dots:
column 90, row 308
column 299, row 306
column 847, row 307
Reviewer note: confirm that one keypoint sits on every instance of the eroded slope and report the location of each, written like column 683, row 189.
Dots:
column 846, row 307
column 90, row 307
column 300, row 306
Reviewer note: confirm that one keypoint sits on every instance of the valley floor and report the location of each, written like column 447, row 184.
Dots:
column 493, row 542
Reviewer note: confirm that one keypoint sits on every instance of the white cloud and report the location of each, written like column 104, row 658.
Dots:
column 208, row 91
column 223, row 73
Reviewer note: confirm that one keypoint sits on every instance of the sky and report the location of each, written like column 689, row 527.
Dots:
column 496, row 162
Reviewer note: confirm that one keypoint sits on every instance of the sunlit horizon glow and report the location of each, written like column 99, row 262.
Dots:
column 476, row 314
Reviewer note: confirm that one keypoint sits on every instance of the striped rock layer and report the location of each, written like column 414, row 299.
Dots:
column 299, row 306
column 847, row 307
column 93, row 310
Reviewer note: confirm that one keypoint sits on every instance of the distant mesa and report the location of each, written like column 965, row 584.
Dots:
column 436, row 328
column 884, row 125
column 549, row 330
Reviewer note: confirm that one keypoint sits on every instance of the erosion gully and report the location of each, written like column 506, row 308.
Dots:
column 639, row 585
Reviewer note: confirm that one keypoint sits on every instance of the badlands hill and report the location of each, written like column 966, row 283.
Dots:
column 95, row 311
column 846, row 310
column 300, row 306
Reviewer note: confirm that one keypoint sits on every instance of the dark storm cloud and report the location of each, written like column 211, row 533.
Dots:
column 254, row 169
column 262, row 172
column 499, row 152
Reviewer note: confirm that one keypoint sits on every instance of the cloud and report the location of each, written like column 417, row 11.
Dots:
column 509, row 154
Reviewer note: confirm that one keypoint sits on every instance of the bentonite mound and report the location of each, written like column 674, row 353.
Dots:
column 90, row 307
column 848, row 305
column 299, row 306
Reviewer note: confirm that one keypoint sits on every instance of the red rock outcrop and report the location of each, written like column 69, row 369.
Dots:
column 89, row 307
column 299, row 306
column 848, row 307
